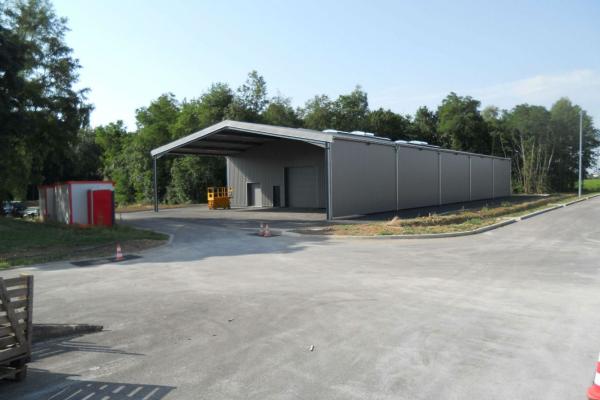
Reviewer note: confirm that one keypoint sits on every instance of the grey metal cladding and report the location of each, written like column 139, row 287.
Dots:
column 418, row 177
column 266, row 165
column 481, row 178
column 501, row 177
column 455, row 177
column 363, row 177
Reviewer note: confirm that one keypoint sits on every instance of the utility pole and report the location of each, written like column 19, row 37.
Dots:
column 580, row 148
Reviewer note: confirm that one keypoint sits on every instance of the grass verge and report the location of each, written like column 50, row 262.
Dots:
column 24, row 242
column 459, row 221
column 591, row 185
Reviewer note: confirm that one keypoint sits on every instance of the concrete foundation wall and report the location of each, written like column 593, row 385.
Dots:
column 266, row 165
column 363, row 178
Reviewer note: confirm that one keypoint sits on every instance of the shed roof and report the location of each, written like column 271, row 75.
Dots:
column 232, row 137
column 228, row 138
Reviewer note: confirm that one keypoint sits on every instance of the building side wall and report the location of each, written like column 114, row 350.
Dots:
column 418, row 177
column 502, row 185
column 363, row 178
column 50, row 203
column 61, row 204
column 481, row 178
column 79, row 199
column 266, row 165
column 455, row 177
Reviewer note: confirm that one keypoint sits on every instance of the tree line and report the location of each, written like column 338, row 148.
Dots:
column 46, row 136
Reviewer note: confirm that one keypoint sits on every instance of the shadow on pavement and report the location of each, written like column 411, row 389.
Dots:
column 60, row 346
column 43, row 384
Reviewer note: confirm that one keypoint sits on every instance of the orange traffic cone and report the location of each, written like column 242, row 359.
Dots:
column 593, row 392
column 267, row 231
column 261, row 230
column 119, row 256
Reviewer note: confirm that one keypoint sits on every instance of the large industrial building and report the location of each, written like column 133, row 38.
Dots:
column 345, row 173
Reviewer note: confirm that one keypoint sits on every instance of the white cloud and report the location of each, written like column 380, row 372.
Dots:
column 581, row 86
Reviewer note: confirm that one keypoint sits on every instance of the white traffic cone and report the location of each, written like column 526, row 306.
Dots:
column 267, row 231
column 261, row 230
column 594, row 390
column 119, row 256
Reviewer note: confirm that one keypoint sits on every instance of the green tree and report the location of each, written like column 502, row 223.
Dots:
column 533, row 146
column 564, row 122
column 461, row 126
column 250, row 100
column 351, row 111
column 318, row 113
column 388, row 124
column 115, row 144
column 207, row 110
column 191, row 175
column 155, row 128
column 86, row 157
column 425, row 126
column 41, row 112
column 281, row 113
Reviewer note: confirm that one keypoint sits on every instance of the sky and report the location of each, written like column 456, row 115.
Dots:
column 404, row 54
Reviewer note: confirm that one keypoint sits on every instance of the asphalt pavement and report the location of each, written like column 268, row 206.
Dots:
column 221, row 313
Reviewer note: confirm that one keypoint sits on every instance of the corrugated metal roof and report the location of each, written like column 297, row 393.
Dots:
column 228, row 138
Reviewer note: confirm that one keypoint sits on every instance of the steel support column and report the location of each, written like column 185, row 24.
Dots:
column 155, row 184
column 396, row 177
column 329, row 183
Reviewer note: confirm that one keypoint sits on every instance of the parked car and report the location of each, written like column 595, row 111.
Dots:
column 13, row 208
column 7, row 208
column 31, row 212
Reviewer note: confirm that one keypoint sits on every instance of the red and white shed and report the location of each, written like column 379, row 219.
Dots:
column 78, row 202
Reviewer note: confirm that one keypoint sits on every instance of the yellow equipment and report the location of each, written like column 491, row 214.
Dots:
column 219, row 197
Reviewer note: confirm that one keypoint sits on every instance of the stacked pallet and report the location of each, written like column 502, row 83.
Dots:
column 16, row 307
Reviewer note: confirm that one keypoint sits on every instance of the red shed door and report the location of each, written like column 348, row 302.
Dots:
column 101, row 207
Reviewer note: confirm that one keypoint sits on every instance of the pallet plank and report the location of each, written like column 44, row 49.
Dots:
column 14, row 321
column 19, row 303
column 18, row 281
column 5, row 330
column 7, row 341
column 29, row 310
column 20, row 315
column 12, row 353
column 20, row 292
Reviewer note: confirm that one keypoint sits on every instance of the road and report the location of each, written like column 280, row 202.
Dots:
column 223, row 314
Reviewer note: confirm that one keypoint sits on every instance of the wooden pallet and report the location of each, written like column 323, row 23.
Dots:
column 16, row 312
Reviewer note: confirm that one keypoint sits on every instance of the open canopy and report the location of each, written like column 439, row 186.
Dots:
column 229, row 138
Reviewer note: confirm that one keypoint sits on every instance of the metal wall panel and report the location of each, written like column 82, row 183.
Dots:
column 363, row 178
column 455, row 177
column 61, row 203
column 266, row 165
column 302, row 187
column 502, row 178
column 481, row 178
column 418, row 177
column 79, row 199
